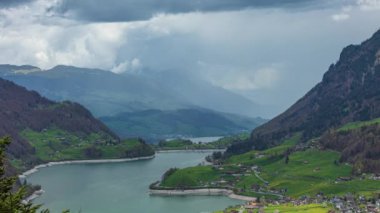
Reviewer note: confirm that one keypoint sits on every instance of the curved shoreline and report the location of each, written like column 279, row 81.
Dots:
column 201, row 192
column 54, row 163
column 189, row 150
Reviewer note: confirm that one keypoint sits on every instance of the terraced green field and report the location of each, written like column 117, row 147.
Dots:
column 57, row 145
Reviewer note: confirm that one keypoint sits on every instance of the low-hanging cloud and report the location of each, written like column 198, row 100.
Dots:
column 11, row 3
column 132, row 10
column 261, row 53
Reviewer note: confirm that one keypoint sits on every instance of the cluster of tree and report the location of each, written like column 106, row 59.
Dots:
column 360, row 146
column 168, row 173
column 142, row 149
column 175, row 143
column 215, row 157
column 93, row 152
column 11, row 201
column 12, row 197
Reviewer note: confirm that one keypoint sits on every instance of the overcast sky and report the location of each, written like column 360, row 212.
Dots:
column 271, row 51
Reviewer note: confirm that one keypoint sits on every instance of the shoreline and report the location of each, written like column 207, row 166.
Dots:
column 33, row 196
column 189, row 150
column 201, row 192
column 95, row 161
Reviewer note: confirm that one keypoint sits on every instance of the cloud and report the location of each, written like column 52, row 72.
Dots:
column 369, row 4
column 241, row 80
column 255, row 52
column 263, row 78
column 11, row 3
column 340, row 17
column 132, row 10
column 131, row 67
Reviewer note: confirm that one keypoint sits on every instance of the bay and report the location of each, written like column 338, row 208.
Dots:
column 121, row 187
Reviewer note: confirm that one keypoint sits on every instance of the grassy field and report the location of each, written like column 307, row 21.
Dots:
column 183, row 144
column 191, row 177
column 307, row 172
column 57, row 145
column 356, row 125
column 247, row 158
column 311, row 208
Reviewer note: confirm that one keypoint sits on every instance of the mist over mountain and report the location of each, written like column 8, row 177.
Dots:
column 153, row 106
column 157, row 124
column 106, row 93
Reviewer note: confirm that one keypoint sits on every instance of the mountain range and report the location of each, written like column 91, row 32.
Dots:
column 126, row 101
column 106, row 93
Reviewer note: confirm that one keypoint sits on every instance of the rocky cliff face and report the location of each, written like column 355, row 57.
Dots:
column 349, row 91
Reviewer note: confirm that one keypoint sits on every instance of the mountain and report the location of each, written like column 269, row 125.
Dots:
column 44, row 130
column 359, row 144
column 158, row 124
column 349, row 92
column 102, row 92
column 105, row 93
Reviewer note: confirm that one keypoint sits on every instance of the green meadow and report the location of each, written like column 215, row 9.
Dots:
column 57, row 145
column 359, row 124
column 307, row 172
column 310, row 208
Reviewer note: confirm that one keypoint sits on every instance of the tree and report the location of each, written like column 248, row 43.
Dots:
column 287, row 159
column 12, row 201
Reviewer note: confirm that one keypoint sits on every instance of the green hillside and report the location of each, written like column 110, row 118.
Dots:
column 57, row 145
column 286, row 170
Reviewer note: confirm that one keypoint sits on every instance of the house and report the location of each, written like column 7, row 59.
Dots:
column 344, row 179
column 376, row 177
column 252, row 205
column 371, row 207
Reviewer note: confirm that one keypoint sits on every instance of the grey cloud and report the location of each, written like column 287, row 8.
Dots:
column 132, row 10
column 11, row 3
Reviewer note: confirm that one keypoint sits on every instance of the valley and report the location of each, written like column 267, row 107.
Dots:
column 232, row 106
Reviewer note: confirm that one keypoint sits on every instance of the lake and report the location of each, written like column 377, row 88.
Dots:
column 121, row 187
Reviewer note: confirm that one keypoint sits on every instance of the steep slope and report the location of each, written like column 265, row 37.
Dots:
column 43, row 130
column 359, row 143
column 158, row 124
column 349, row 91
column 105, row 93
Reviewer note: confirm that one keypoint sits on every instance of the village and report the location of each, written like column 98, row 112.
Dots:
column 347, row 203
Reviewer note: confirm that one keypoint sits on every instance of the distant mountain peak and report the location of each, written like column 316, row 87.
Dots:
column 22, row 69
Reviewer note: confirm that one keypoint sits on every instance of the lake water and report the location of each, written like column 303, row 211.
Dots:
column 121, row 187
